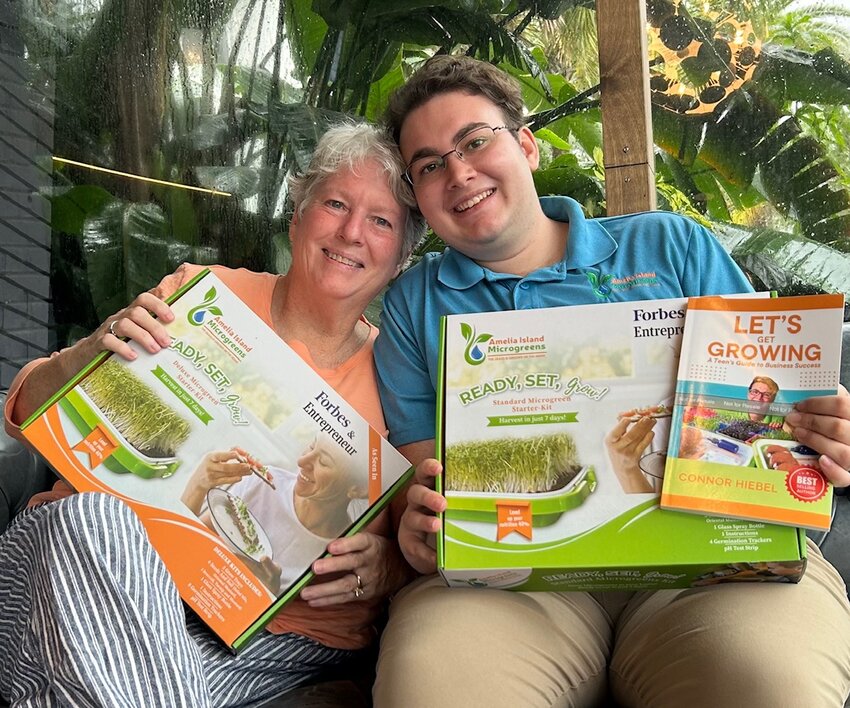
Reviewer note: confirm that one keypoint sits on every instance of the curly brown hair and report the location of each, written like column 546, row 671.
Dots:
column 443, row 74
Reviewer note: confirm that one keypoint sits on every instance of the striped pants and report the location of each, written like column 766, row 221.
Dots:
column 90, row 617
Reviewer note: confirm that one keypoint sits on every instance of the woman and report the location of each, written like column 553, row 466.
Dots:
column 91, row 616
column 301, row 511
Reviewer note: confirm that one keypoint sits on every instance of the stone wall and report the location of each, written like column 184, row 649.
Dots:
column 26, row 141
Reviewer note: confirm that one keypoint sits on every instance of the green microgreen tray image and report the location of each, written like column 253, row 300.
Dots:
column 511, row 465
column 542, row 469
column 144, row 421
column 546, row 507
column 147, row 431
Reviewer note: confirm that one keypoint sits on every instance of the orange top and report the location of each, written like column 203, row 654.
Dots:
column 347, row 626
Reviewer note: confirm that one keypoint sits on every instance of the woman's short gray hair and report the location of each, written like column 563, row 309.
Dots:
column 347, row 146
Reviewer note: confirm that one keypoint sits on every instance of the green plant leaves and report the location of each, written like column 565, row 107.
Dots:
column 787, row 74
column 563, row 177
column 338, row 59
column 238, row 181
column 756, row 133
column 299, row 127
column 70, row 208
column 789, row 263
column 125, row 248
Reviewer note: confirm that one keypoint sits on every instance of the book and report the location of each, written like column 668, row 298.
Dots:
column 544, row 489
column 744, row 364
column 228, row 389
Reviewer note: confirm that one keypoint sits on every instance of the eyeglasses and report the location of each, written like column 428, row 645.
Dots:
column 761, row 395
column 430, row 168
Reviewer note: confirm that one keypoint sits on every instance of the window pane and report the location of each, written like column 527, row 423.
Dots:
column 750, row 112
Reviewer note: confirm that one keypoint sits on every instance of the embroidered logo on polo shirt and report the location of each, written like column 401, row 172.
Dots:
column 604, row 284
column 600, row 283
column 638, row 280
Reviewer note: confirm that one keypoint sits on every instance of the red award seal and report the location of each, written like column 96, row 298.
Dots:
column 806, row 484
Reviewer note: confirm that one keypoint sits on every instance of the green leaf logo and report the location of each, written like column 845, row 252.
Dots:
column 474, row 354
column 600, row 283
column 197, row 314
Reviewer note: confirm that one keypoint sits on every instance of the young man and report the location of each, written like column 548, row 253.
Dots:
column 470, row 159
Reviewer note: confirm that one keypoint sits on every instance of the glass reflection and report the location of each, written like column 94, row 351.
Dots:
column 229, row 95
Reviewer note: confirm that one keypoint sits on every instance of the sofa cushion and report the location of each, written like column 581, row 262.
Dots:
column 22, row 474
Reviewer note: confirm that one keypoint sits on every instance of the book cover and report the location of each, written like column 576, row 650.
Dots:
column 227, row 389
column 552, row 428
column 744, row 364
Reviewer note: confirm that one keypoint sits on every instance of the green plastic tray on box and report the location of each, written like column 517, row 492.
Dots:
column 546, row 507
column 125, row 459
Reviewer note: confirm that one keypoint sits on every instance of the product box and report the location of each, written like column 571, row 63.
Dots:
column 744, row 363
column 553, row 428
column 227, row 390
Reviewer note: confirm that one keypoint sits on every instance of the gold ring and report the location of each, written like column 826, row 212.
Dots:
column 358, row 591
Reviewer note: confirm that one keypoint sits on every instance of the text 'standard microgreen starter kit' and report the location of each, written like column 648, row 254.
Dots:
column 227, row 383
column 539, row 494
column 744, row 364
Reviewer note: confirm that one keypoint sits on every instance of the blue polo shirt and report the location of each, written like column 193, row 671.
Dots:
column 644, row 256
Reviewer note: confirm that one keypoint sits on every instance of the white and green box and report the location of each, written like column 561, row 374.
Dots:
column 528, row 401
column 142, row 429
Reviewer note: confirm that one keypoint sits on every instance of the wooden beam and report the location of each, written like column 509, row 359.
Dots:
column 626, row 116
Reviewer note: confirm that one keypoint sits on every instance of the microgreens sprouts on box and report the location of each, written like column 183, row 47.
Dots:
column 147, row 423
column 511, row 465
column 241, row 516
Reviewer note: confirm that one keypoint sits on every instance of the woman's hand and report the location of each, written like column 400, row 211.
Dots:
column 626, row 444
column 134, row 321
column 141, row 321
column 362, row 567
column 214, row 470
column 823, row 424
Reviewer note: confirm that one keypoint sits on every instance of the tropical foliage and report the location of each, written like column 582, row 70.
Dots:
column 773, row 155
column 230, row 95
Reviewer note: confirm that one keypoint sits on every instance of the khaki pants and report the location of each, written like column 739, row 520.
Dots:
column 745, row 645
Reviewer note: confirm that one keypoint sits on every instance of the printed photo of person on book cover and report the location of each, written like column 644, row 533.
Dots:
column 279, row 520
column 723, row 435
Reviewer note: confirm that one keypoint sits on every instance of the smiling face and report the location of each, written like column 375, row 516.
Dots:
column 486, row 208
column 322, row 474
column 761, row 391
column 346, row 243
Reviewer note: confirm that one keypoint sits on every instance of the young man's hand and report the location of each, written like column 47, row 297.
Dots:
column 823, row 424
column 418, row 522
